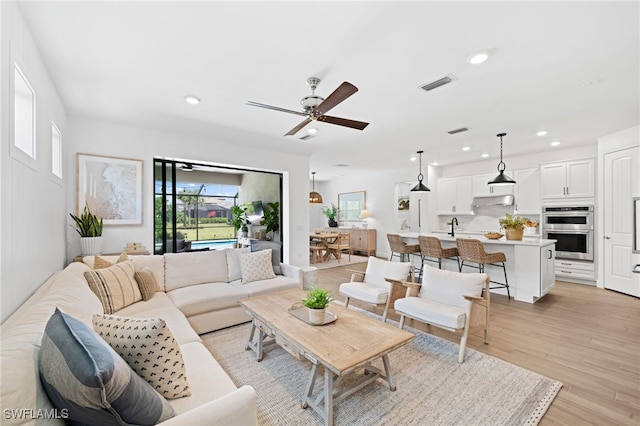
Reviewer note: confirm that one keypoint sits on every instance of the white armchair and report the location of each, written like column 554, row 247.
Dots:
column 450, row 300
column 376, row 284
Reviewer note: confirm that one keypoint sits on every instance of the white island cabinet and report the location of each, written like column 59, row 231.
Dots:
column 530, row 263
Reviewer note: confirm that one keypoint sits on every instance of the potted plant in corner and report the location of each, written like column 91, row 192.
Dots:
column 239, row 220
column 89, row 226
column 513, row 226
column 271, row 218
column 317, row 301
column 331, row 213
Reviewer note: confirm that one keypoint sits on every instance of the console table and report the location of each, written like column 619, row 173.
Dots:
column 362, row 240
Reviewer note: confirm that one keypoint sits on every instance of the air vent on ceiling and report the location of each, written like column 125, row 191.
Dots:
column 460, row 130
column 435, row 84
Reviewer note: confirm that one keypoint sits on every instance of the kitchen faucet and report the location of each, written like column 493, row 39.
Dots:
column 454, row 223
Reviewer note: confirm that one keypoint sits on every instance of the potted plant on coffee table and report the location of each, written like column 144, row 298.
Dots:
column 331, row 213
column 317, row 301
column 513, row 226
column 89, row 227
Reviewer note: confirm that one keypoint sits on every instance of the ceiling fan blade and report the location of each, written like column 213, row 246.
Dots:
column 298, row 127
column 354, row 124
column 343, row 91
column 256, row 104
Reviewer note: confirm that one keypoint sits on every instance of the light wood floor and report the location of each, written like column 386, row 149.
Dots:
column 585, row 337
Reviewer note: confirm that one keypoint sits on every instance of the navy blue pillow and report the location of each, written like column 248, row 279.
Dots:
column 81, row 373
column 257, row 245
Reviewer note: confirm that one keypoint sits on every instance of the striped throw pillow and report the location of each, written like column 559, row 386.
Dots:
column 115, row 286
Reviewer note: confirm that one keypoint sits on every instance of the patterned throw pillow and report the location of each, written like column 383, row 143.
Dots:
column 115, row 286
column 256, row 266
column 82, row 375
column 150, row 349
column 102, row 263
column 147, row 283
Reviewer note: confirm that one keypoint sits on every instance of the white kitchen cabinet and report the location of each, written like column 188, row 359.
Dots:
column 584, row 271
column 481, row 188
column 527, row 191
column 571, row 179
column 454, row 195
column 547, row 269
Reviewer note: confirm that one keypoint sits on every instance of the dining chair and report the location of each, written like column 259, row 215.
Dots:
column 342, row 243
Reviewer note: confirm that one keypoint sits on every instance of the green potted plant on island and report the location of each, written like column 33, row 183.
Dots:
column 513, row 226
column 271, row 218
column 317, row 301
column 331, row 213
column 89, row 227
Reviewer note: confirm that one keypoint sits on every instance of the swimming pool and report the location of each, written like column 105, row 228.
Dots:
column 213, row 244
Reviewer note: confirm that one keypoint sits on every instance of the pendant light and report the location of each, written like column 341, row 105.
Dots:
column 314, row 197
column 501, row 179
column 420, row 187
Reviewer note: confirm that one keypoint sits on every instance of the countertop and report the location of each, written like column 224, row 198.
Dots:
column 526, row 241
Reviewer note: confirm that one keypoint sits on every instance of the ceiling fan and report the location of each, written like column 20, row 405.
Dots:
column 314, row 107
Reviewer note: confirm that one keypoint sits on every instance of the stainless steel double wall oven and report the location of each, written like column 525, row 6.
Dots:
column 572, row 227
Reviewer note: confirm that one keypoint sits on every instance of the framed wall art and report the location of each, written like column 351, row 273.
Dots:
column 111, row 187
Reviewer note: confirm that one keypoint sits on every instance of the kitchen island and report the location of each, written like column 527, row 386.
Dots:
column 530, row 262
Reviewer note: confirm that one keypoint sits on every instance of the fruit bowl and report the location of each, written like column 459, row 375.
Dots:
column 493, row 235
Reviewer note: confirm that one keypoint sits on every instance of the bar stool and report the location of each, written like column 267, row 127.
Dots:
column 400, row 248
column 431, row 247
column 471, row 250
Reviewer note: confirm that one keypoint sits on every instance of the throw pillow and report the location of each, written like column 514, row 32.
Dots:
column 257, row 245
column 115, row 286
column 256, row 266
column 82, row 375
column 146, row 283
column 150, row 349
column 101, row 263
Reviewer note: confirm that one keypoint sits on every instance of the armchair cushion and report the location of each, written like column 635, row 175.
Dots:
column 366, row 292
column 377, row 270
column 436, row 313
column 450, row 287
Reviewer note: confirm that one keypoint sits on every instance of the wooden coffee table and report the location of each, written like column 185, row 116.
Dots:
column 354, row 340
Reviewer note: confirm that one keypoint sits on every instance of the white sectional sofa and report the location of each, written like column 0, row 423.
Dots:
column 197, row 293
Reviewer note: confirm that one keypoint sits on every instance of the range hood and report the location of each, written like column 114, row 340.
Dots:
column 493, row 200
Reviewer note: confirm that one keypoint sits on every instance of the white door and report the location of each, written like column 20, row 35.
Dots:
column 621, row 184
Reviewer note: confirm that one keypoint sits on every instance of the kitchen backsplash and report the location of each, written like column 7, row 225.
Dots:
column 485, row 219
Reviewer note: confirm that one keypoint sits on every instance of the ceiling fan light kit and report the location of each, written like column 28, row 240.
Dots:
column 315, row 107
column 420, row 187
column 501, row 179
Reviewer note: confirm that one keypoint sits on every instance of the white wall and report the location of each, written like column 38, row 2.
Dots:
column 33, row 206
column 109, row 139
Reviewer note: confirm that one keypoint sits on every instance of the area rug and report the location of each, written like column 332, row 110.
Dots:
column 333, row 263
column 432, row 387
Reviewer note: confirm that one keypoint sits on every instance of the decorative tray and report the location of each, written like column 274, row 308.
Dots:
column 301, row 312
column 493, row 235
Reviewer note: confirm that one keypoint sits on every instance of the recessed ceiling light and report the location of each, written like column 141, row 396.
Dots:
column 312, row 131
column 478, row 57
column 341, row 165
column 484, row 155
column 542, row 133
column 191, row 99
column 555, row 143
column 466, row 148
column 413, row 158
column 435, row 163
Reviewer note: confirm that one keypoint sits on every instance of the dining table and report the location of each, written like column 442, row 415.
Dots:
column 321, row 242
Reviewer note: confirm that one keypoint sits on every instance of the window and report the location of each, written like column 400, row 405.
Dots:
column 24, row 114
column 56, row 150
